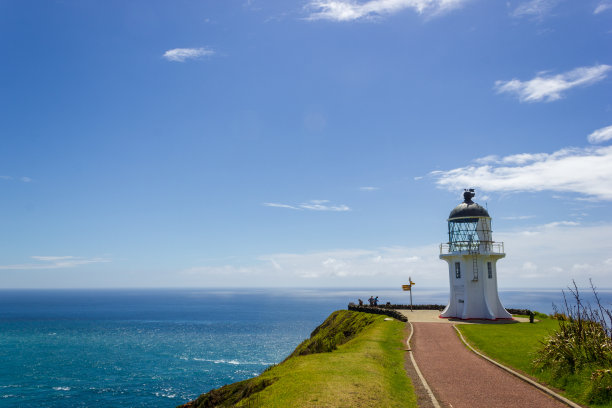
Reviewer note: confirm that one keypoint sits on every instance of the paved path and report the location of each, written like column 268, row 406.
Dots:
column 461, row 379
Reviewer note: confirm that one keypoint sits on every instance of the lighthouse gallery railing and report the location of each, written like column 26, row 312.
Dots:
column 472, row 247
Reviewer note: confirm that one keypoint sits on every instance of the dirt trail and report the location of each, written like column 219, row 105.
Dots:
column 461, row 379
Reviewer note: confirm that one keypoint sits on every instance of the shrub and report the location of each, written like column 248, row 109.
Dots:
column 340, row 327
column 599, row 390
column 583, row 342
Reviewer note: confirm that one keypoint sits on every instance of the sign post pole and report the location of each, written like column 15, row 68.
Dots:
column 410, row 279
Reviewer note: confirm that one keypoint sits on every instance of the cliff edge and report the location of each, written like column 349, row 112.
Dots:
column 351, row 359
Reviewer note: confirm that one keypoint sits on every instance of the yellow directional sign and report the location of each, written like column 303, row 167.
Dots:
column 408, row 287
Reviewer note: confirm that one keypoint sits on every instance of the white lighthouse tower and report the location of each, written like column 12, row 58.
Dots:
column 472, row 256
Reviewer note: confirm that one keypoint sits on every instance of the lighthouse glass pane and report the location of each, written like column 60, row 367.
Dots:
column 466, row 234
column 462, row 234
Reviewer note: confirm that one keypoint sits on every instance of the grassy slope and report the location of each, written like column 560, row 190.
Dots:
column 516, row 346
column 366, row 371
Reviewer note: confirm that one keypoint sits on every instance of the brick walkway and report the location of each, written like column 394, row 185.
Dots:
column 461, row 379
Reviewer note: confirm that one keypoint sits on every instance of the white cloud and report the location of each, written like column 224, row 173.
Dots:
column 523, row 158
column 534, row 8
column 547, row 256
column 518, row 217
column 582, row 267
column 353, row 263
column 54, row 262
column 24, row 179
column 585, row 171
column 314, row 205
column 601, row 135
column 227, row 271
column 183, row 54
column 548, row 88
column 369, row 188
column 349, row 10
column 321, row 205
column 529, row 266
column 558, row 253
column 603, row 6
column 561, row 224
column 52, row 258
column 278, row 205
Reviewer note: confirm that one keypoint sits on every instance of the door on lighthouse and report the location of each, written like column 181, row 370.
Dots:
column 459, row 298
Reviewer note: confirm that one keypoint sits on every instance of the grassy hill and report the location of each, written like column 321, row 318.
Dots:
column 352, row 359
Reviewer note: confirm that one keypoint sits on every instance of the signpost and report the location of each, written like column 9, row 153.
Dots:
column 409, row 289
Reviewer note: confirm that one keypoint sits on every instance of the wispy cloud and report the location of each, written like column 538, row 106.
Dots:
column 347, row 262
column 520, row 158
column 23, row 178
column 548, row 88
column 535, row 8
column 584, row 171
column 54, row 262
column 349, row 10
column 315, row 205
column 183, row 54
column 518, row 217
column 278, row 205
column 601, row 135
column 603, row 6
column 552, row 252
column 536, row 257
column 369, row 188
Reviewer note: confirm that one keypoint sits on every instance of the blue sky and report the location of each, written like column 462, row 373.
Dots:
column 301, row 143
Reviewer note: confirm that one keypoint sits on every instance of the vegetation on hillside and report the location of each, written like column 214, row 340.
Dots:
column 580, row 350
column 336, row 330
column 351, row 360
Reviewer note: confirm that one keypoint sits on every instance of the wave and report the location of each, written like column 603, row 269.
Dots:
column 232, row 362
column 161, row 394
column 61, row 388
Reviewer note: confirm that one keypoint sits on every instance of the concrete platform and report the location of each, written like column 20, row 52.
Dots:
column 432, row 316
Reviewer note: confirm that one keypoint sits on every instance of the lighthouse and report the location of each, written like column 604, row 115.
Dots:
column 472, row 257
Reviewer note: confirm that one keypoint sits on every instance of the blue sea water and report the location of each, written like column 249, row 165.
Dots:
column 161, row 348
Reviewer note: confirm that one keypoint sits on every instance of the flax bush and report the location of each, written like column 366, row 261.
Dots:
column 600, row 387
column 583, row 343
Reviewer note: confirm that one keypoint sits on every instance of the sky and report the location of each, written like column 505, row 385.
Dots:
column 301, row 143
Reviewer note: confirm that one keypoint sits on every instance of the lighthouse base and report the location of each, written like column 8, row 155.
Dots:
column 475, row 308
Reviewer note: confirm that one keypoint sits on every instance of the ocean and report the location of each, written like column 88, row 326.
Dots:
column 161, row 348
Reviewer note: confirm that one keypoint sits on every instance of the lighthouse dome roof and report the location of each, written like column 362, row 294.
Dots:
column 468, row 208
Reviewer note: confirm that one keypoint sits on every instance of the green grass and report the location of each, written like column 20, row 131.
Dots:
column 513, row 344
column 366, row 369
column 516, row 345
